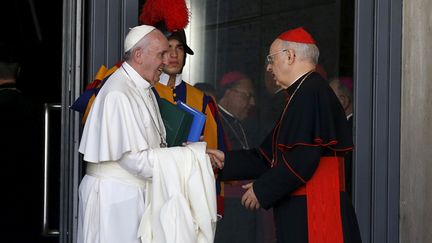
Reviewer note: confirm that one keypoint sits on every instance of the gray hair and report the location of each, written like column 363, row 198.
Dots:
column 305, row 52
column 342, row 88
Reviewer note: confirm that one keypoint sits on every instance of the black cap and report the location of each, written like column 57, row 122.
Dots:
column 177, row 35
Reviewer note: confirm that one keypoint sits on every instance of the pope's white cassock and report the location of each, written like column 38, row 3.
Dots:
column 133, row 189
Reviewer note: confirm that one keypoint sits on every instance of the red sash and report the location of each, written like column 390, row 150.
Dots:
column 323, row 201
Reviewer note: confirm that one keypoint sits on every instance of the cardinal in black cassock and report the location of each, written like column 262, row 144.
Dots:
column 299, row 167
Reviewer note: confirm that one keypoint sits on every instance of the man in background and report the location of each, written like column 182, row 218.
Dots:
column 236, row 99
column 269, row 108
column 207, row 88
column 343, row 89
column 173, row 88
column 21, row 164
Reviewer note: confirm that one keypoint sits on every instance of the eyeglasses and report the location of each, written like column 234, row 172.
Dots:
column 270, row 56
column 247, row 95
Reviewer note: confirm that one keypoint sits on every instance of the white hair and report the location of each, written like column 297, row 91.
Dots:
column 305, row 52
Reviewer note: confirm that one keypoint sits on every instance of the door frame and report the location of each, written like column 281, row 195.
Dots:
column 377, row 115
column 72, row 75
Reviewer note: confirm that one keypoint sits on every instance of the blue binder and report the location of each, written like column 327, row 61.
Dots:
column 198, row 122
column 177, row 122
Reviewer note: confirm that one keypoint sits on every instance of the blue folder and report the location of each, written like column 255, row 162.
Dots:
column 198, row 122
column 177, row 122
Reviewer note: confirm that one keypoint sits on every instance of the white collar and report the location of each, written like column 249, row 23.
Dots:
column 231, row 115
column 349, row 116
column 295, row 80
column 278, row 90
column 139, row 81
column 163, row 79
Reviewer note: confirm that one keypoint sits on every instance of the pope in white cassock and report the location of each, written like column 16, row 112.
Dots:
column 135, row 189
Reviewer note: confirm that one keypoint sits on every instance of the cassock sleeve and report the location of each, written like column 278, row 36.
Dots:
column 243, row 165
column 295, row 168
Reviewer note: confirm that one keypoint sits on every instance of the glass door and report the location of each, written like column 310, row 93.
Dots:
column 39, row 188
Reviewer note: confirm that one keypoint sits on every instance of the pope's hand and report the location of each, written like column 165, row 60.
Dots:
column 217, row 158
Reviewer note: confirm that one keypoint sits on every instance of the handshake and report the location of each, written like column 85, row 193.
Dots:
column 217, row 158
column 249, row 199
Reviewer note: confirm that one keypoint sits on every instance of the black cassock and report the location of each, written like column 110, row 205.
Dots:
column 313, row 126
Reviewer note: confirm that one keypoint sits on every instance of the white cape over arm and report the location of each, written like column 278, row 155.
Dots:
column 181, row 199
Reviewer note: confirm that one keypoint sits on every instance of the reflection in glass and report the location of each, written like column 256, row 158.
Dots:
column 236, row 35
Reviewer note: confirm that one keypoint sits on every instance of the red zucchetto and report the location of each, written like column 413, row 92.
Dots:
column 231, row 77
column 299, row 35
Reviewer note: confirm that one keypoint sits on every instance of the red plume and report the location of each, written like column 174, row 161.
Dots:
column 174, row 13
column 151, row 13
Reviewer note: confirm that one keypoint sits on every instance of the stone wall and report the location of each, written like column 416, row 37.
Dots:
column 416, row 121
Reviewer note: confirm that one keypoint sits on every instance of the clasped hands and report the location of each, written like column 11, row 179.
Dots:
column 217, row 158
column 249, row 199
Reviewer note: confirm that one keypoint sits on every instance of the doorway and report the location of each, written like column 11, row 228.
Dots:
column 32, row 35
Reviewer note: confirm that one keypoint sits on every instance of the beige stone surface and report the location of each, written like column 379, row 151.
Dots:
column 416, row 123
